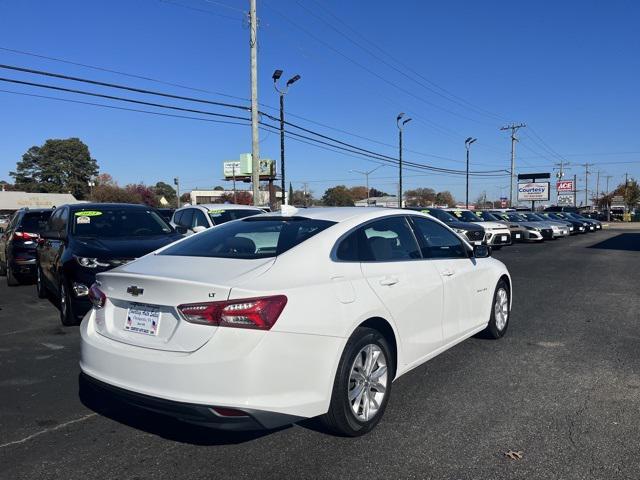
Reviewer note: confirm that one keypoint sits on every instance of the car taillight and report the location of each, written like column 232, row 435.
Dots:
column 25, row 236
column 97, row 296
column 258, row 313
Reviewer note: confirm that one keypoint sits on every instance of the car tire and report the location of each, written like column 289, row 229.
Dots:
column 3, row 269
column 67, row 317
column 12, row 281
column 358, row 384
column 500, row 312
column 41, row 289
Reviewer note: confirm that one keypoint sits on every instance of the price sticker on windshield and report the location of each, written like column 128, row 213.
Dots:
column 88, row 213
column 83, row 220
column 216, row 213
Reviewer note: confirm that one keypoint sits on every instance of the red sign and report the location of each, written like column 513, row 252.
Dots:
column 565, row 186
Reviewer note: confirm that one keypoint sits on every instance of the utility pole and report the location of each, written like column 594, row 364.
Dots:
column 305, row 189
column 255, row 135
column 176, row 182
column 400, row 127
column 467, row 145
column 598, row 189
column 575, row 190
column 586, row 182
column 233, row 166
column 514, row 128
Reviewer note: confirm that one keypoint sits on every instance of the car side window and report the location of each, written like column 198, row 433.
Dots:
column 438, row 241
column 186, row 218
column 64, row 219
column 199, row 219
column 390, row 239
column 177, row 217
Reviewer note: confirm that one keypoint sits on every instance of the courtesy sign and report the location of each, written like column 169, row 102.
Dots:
column 533, row 191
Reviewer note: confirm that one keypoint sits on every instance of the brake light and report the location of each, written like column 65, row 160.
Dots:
column 25, row 236
column 257, row 313
column 97, row 296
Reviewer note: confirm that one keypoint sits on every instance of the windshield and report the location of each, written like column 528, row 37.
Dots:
column 514, row 217
column 441, row 215
column 466, row 216
column 118, row 222
column 491, row 217
column 221, row 215
column 530, row 217
column 34, row 222
column 251, row 238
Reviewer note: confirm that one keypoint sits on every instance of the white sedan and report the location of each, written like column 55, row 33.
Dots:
column 277, row 317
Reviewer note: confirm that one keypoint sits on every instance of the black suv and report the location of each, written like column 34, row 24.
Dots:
column 18, row 244
column 84, row 239
column 473, row 232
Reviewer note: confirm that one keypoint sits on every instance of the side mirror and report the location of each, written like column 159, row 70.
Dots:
column 181, row 230
column 198, row 229
column 481, row 251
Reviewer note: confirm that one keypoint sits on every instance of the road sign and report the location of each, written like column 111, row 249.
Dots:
column 565, row 186
column 533, row 191
column 531, row 176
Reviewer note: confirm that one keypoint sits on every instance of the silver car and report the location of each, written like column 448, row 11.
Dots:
column 532, row 232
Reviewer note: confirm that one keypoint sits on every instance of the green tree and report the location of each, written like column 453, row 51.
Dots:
column 105, row 193
column 58, row 166
column 218, row 188
column 165, row 190
column 338, row 196
column 374, row 192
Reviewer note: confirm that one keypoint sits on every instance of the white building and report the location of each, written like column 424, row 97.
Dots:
column 215, row 196
column 389, row 201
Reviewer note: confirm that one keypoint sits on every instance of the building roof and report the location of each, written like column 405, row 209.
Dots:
column 17, row 200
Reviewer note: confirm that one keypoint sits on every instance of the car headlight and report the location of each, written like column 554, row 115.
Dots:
column 461, row 231
column 88, row 262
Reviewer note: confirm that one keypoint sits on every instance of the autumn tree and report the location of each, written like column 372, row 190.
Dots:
column 420, row 197
column 338, row 196
column 146, row 194
column 445, row 198
column 358, row 193
column 165, row 190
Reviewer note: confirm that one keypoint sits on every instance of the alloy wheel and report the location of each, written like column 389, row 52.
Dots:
column 368, row 382
column 501, row 309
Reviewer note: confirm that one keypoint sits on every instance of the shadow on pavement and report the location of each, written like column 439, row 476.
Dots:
column 624, row 241
column 165, row 426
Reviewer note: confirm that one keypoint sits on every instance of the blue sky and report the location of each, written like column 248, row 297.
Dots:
column 569, row 70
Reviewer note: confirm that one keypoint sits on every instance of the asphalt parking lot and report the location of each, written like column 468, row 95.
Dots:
column 562, row 388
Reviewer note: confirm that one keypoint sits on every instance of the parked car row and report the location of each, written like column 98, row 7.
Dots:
column 242, row 319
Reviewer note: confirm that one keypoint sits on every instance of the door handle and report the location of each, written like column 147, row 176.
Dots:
column 388, row 281
column 447, row 273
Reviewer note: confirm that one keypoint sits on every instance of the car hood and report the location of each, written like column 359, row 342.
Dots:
column 468, row 226
column 123, row 247
column 493, row 225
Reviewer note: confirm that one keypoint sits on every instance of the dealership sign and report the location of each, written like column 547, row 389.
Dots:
column 565, row 186
column 533, row 191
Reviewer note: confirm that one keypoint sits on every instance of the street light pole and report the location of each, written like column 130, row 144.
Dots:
column 366, row 178
column 467, row 145
column 276, row 76
column 400, row 125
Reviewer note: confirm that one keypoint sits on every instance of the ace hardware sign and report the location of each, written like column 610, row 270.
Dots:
column 565, row 186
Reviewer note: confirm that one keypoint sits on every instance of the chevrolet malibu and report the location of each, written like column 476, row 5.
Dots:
column 278, row 317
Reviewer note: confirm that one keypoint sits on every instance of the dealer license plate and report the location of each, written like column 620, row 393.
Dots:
column 503, row 238
column 143, row 319
column 517, row 236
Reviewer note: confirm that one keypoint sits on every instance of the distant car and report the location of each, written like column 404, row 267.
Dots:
column 18, row 241
column 473, row 232
column 557, row 208
column 531, row 232
column 576, row 226
column 197, row 218
column 167, row 213
column 271, row 319
column 82, row 240
column 518, row 232
column 497, row 234
column 558, row 229
column 590, row 224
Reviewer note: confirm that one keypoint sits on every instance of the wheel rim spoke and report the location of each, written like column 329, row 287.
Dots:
column 368, row 380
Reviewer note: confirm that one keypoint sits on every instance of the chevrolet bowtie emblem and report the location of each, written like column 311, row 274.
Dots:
column 135, row 291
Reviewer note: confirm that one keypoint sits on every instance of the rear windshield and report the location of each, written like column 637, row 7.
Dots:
column 221, row 215
column 118, row 222
column 251, row 238
column 34, row 222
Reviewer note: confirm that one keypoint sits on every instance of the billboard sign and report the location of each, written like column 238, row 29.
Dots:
column 533, row 191
column 242, row 167
column 565, row 186
column 565, row 200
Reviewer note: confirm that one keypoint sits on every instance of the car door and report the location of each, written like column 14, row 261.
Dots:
column 186, row 220
column 464, row 279
column 56, row 247
column 44, row 248
column 409, row 288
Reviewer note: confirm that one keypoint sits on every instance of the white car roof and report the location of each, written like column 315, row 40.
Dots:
column 223, row 206
column 341, row 214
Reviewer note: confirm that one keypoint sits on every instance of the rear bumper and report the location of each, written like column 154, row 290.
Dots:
column 254, row 371
column 188, row 412
column 24, row 267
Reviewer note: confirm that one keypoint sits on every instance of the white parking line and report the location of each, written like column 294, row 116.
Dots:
column 53, row 429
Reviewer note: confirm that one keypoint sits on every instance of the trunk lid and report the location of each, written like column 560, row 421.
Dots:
column 149, row 290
